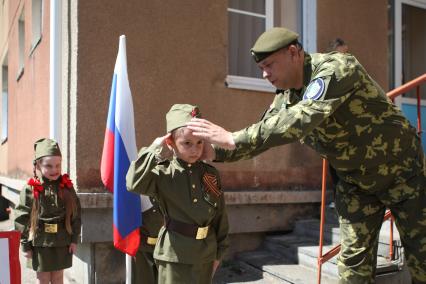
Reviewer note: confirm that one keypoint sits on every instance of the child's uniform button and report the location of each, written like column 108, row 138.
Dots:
column 195, row 200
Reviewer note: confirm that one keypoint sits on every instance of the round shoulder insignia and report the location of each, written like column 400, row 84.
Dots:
column 314, row 90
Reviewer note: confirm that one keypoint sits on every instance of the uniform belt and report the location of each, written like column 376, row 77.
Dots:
column 51, row 227
column 149, row 240
column 188, row 230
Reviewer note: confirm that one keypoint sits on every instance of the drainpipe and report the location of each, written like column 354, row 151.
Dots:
column 55, row 79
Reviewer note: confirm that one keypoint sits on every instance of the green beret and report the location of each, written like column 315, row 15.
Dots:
column 180, row 114
column 46, row 147
column 271, row 41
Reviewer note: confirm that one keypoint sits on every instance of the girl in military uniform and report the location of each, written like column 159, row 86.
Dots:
column 194, row 236
column 48, row 215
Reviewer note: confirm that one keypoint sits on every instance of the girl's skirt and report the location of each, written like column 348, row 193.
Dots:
column 46, row 259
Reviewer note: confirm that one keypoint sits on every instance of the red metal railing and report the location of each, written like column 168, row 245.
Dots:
column 322, row 258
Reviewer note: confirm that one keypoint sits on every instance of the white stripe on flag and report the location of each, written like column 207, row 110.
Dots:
column 124, row 119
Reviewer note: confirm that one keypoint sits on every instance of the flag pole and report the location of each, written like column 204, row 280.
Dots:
column 122, row 46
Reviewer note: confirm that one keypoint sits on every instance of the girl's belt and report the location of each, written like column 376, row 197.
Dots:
column 51, row 228
column 188, row 230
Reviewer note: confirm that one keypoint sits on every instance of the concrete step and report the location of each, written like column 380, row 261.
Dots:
column 292, row 258
column 304, row 251
column 240, row 272
column 282, row 268
column 310, row 228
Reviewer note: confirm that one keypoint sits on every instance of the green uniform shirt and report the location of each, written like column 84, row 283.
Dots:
column 344, row 115
column 179, row 190
column 52, row 211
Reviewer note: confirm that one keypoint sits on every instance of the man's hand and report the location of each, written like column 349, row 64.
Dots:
column 165, row 142
column 212, row 133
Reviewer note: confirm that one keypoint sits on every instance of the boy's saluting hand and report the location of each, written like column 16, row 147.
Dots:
column 166, row 150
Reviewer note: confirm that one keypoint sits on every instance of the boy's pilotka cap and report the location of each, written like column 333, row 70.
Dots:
column 180, row 114
column 46, row 147
column 271, row 41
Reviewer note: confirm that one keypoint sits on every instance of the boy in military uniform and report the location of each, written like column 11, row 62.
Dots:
column 144, row 270
column 330, row 103
column 194, row 237
column 48, row 215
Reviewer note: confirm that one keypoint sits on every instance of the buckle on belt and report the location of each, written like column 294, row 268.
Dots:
column 151, row 241
column 202, row 233
column 50, row 228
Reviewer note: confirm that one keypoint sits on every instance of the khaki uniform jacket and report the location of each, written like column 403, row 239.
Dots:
column 52, row 211
column 344, row 115
column 179, row 189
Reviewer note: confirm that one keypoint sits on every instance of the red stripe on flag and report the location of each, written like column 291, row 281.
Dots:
column 107, row 163
column 128, row 245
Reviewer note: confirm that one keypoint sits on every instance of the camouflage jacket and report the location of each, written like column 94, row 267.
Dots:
column 343, row 114
column 181, row 194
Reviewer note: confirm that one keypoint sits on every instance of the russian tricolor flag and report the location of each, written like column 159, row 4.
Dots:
column 119, row 150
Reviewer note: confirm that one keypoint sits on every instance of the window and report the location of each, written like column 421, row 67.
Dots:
column 4, row 101
column 247, row 20
column 21, row 38
column 36, row 22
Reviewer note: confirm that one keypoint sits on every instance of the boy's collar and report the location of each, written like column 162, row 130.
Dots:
column 185, row 164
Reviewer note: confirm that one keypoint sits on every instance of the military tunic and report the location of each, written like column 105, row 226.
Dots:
column 182, row 196
column 49, row 250
column 344, row 115
column 144, row 270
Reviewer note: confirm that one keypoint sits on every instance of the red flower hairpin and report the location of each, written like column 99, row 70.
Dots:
column 65, row 181
column 37, row 187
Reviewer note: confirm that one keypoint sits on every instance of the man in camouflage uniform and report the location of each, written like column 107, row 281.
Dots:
column 330, row 103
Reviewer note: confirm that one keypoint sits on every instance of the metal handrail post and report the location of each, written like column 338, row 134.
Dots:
column 391, row 256
column 321, row 240
column 419, row 113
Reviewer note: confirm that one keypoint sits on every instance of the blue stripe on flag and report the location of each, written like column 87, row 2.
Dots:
column 127, row 207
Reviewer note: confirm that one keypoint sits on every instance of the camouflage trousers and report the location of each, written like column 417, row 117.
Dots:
column 361, row 215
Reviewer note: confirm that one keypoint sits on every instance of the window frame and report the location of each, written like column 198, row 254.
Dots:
column 250, row 83
column 309, row 41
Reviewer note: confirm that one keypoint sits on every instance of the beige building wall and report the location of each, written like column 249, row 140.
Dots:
column 28, row 95
column 177, row 53
column 363, row 25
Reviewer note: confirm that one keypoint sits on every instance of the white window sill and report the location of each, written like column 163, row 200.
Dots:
column 247, row 83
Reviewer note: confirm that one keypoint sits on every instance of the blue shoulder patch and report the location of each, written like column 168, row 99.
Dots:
column 314, row 90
